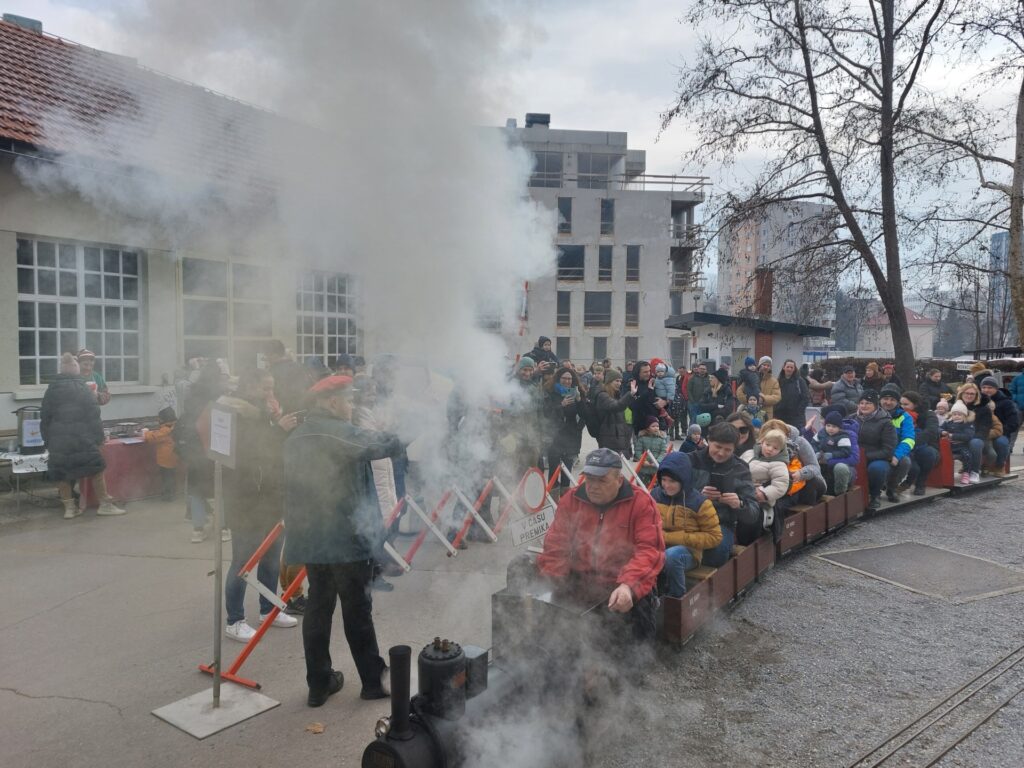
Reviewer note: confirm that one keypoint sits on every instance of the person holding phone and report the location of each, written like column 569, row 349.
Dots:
column 724, row 479
column 563, row 421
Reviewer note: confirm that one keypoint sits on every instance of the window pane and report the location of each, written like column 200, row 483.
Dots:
column 597, row 308
column 67, row 257
column 562, row 347
column 46, row 254
column 351, row 331
column 130, row 263
column 342, row 304
column 632, row 262
column 48, row 343
column 332, row 303
column 131, row 288
column 68, row 316
column 112, row 369
column 26, row 314
column 632, row 347
column 131, row 369
column 307, row 325
column 27, row 343
column 111, row 261
column 69, row 341
column 318, row 305
column 47, row 315
column 604, row 263
column 26, row 281
column 111, row 287
column 131, row 319
column 206, row 318
column 112, row 318
column 564, row 215
column 600, row 348
column 93, row 316
column 68, row 284
column 25, row 252
column 92, row 284
column 332, row 325
column 94, row 342
column 27, row 371
column 92, row 259
column 252, row 319
column 318, row 326
column 47, row 370
column 47, row 282
column 200, row 277
column 112, row 344
column 249, row 282
column 131, row 344
column 570, row 262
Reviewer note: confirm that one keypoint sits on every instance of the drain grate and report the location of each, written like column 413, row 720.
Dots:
column 931, row 571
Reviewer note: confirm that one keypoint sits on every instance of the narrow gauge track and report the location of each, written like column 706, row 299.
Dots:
column 930, row 737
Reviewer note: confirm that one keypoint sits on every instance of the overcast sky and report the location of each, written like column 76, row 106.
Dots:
column 592, row 64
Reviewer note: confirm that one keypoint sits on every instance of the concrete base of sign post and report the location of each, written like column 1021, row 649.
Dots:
column 196, row 715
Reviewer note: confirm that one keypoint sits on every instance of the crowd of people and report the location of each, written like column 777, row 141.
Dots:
column 317, row 448
column 752, row 454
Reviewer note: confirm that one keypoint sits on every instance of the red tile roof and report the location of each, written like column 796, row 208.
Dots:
column 63, row 97
column 913, row 319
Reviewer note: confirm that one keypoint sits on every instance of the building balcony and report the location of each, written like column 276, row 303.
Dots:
column 692, row 186
column 687, row 281
column 686, row 236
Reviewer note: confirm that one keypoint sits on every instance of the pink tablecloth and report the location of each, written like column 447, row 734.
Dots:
column 131, row 473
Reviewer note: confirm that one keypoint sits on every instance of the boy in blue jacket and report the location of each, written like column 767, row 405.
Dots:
column 889, row 400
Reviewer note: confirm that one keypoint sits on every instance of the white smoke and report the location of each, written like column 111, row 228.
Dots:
column 374, row 162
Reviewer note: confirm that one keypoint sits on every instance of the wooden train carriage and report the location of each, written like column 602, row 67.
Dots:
column 709, row 589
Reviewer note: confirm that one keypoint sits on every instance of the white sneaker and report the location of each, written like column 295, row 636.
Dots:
column 198, row 535
column 109, row 508
column 975, row 478
column 71, row 510
column 240, row 631
column 225, row 534
column 281, row 620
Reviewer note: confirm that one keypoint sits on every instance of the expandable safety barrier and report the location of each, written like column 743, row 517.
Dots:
column 247, row 572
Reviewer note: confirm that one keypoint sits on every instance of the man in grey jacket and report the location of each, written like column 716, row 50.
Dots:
column 847, row 390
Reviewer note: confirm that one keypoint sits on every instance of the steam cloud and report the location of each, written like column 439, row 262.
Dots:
column 373, row 163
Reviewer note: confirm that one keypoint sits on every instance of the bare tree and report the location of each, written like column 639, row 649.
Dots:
column 828, row 89
column 979, row 138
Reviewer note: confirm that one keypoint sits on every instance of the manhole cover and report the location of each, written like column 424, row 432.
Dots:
column 931, row 571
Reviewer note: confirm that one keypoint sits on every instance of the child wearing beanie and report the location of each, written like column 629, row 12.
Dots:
column 960, row 429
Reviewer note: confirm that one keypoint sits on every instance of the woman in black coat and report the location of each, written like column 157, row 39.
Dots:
column 73, row 433
column 795, row 396
column 563, row 421
column 611, row 407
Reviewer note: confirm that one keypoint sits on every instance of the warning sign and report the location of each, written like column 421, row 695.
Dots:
column 531, row 527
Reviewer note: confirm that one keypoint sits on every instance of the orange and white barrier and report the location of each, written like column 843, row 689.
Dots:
column 279, row 603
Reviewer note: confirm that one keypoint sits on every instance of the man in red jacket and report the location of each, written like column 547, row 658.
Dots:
column 607, row 533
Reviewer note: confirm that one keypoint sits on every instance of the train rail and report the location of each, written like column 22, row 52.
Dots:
column 931, row 736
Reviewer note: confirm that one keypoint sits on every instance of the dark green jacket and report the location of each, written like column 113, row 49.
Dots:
column 331, row 512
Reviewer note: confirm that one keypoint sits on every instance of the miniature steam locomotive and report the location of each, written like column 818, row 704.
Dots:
column 539, row 634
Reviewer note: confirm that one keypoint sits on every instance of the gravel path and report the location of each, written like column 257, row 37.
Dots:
column 820, row 664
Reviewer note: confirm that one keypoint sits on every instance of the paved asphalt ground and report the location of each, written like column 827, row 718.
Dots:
column 105, row 619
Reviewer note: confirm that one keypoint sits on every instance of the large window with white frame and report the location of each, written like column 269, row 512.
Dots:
column 75, row 295
column 226, row 310
column 326, row 315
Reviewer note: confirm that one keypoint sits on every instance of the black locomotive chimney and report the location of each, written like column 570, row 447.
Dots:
column 401, row 664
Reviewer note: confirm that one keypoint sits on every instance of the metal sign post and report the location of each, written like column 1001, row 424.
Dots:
column 196, row 714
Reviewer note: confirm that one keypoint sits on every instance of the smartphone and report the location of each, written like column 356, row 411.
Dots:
column 722, row 482
column 300, row 416
column 574, row 393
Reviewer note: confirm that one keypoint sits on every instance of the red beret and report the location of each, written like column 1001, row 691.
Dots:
column 329, row 384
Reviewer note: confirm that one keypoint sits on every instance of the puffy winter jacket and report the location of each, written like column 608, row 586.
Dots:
column 615, row 432
column 771, row 475
column 1007, row 411
column 840, row 448
column 665, row 387
column 620, row 543
column 71, row 428
column 905, row 432
column 982, row 411
column 876, row 436
column 794, row 398
column 688, row 519
column 843, row 393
